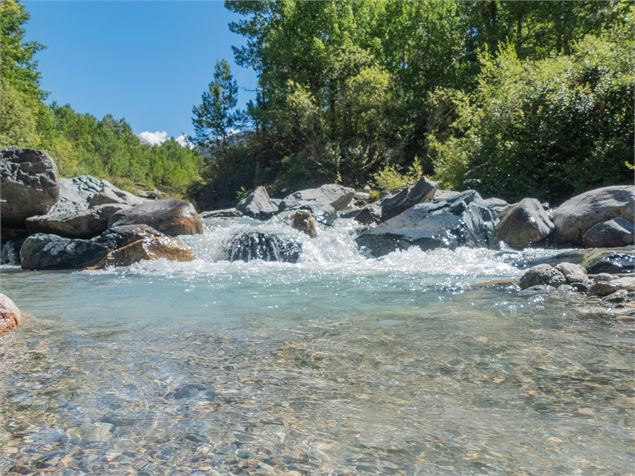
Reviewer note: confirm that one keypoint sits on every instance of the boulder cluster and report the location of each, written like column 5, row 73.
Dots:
column 82, row 222
column 610, row 288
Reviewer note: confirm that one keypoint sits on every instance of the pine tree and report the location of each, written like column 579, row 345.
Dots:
column 217, row 117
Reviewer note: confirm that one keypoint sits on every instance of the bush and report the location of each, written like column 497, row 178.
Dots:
column 389, row 178
column 547, row 128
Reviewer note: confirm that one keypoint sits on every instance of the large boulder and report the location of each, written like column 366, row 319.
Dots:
column 263, row 246
column 71, row 224
column 258, row 205
column 84, row 191
column 405, row 197
column 30, row 184
column 45, row 251
column 172, row 217
column 614, row 232
column 10, row 315
column 577, row 215
column 337, row 196
column 396, row 202
column 84, row 208
column 524, row 224
column 149, row 248
column 464, row 220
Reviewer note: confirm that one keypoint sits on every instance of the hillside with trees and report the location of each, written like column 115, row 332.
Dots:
column 81, row 143
column 510, row 98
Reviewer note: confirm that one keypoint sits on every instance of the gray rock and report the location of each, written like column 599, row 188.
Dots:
column 406, row 197
column 464, row 220
column 258, row 205
column 45, row 251
column 498, row 206
column 573, row 273
column 337, row 196
column 172, row 217
column 577, row 215
column 524, row 224
column 614, row 232
column 368, row 215
column 30, row 184
column 113, row 195
column 263, row 246
column 542, row 274
column 77, row 224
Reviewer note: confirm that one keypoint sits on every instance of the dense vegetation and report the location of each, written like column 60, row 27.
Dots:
column 80, row 143
column 511, row 98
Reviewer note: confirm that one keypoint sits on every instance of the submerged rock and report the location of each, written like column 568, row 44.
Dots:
column 30, row 184
column 577, row 215
column 263, row 246
column 46, row 251
column 172, row 217
column 524, row 224
column 149, row 248
column 334, row 195
column 464, row 220
column 542, row 274
column 258, row 205
column 10, row 315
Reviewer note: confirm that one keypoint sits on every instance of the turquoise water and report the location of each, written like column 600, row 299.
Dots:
column 336, row 365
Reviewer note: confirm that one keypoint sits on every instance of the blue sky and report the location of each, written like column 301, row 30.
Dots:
column 148, row 62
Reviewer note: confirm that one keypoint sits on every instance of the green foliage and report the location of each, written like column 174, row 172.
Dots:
column 18, row 67
column 79, row 143
column 217, row 115
column 389, row 178
column 550, row 127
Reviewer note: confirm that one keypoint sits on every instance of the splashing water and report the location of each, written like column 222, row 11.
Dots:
column 336, row 364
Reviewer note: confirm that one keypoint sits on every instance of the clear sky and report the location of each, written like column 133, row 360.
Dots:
column 148, row 62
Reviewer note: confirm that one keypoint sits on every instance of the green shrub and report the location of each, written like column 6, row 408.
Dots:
column 548, row 128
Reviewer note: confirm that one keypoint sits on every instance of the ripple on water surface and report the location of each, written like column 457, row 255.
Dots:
column 343, row 366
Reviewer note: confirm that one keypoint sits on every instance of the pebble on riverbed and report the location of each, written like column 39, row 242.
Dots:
column 10, row 315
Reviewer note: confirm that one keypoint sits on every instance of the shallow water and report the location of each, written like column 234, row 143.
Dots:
column 336, row 365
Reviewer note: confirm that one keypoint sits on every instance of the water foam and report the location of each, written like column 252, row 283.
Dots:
column 333, row 251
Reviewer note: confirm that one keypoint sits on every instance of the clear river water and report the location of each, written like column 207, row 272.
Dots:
column 339, row 364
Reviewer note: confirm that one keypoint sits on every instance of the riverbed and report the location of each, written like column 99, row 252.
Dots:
column 338, row 364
